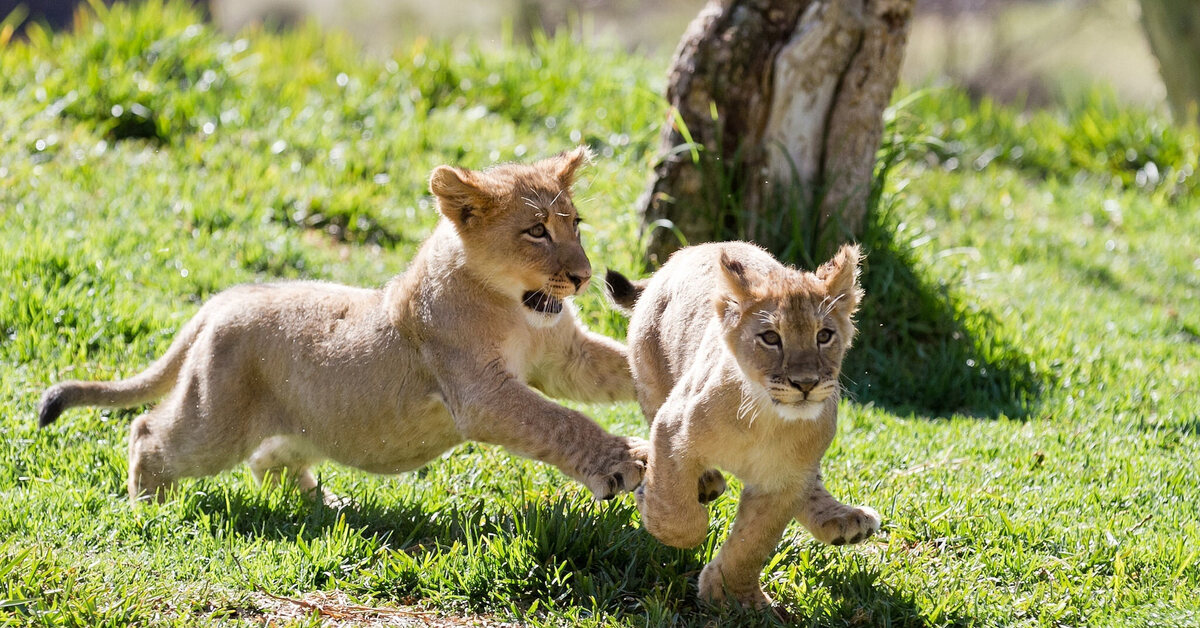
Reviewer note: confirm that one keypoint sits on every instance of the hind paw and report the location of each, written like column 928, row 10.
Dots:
column 712, row 484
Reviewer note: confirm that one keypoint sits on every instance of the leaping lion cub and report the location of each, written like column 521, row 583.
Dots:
column 289, row 374
column 736, row 360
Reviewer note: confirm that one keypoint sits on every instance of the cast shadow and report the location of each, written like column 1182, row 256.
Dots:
column 920, row 351
column 617, row 568
column 609, row 561
column 858, row 596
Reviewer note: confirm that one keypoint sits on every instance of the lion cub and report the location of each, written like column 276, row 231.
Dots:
column 735, row 359
column 290, row 374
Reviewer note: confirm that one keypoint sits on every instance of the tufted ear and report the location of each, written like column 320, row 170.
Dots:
column 738, row 285
column 840, row 276
column 565, row 164
column 460, row 194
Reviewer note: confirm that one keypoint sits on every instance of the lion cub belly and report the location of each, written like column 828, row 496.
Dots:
column 394, row 444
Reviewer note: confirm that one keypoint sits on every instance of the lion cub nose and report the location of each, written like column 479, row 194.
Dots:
column 805, row 384
column 579, row 279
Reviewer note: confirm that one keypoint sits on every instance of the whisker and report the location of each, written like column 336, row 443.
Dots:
column 751, row 406
column 744, row 409
column 828, row 303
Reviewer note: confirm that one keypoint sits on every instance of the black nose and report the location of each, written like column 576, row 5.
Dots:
column 578, row 280
column 805, row 384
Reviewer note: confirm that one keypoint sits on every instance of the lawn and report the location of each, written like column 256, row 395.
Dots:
column 1023, row 404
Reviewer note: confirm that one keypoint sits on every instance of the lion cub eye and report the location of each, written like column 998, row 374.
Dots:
column 537, row 231
column 824, row 336
column 770, row 338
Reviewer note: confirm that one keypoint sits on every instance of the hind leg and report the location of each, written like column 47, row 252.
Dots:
column 150, row 476
column 160, row 453
column 283, row 459
column 189, row 435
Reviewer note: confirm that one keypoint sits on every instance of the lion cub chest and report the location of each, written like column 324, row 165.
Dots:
column 760, row 447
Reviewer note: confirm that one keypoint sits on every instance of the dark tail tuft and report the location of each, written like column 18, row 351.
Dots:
column 53, row 403
column 621, row 290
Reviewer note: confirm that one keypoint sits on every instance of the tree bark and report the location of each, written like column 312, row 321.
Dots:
column 775, row 119
column 1173, row 30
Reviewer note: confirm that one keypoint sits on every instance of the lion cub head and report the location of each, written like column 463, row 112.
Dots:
column 520, row 229
column 789, row 329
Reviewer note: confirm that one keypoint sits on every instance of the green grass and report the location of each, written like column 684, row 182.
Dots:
column 1026, row 390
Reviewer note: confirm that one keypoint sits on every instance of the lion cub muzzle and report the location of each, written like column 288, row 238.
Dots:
column 540, row 301
column 562, row 285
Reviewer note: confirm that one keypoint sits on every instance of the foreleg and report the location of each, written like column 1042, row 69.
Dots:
column 833, row 522
column 761, row 519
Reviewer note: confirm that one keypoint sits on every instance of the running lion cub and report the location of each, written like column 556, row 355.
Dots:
column 290, row 374
column 735, row 359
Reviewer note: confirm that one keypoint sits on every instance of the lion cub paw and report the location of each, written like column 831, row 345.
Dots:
column 715, row 589
column 333, row 501
column 712, row 484
column 621, row 470
column 847, row 525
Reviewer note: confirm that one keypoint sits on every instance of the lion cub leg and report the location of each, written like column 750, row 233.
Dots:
column 667, row 498
column 200, row 429
column 150, row 476
column 162, row 449
column 833, row 522
column 280, row 460
column 757, row 528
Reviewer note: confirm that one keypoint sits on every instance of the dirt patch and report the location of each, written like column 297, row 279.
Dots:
column 337, row 609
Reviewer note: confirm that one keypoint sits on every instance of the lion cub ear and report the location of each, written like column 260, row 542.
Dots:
column 460, row 194
column 738, row 283
column 840, row 276
column 565, row 164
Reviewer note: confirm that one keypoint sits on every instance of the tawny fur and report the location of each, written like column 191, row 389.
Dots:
column 736, row 360
column 290, row 374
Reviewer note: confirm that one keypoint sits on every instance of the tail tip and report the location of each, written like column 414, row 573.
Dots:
column 620, row 289
column 53, row 403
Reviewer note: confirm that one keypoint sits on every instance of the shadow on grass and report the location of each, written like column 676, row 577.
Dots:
column 858, row 597
column 561, row 554
column 919, row 350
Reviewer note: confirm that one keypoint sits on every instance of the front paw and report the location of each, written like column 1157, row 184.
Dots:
column 334, row 501
column 621, row 470
column 847, row 525
column 715, row 588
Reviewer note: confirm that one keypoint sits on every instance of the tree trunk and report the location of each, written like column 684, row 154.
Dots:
column 775, row 121
column 1173, row 30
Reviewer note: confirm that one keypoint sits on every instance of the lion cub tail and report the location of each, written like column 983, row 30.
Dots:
column 148, row 385
column 623, row 292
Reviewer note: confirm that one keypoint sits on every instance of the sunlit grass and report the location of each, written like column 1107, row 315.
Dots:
column 1056, row 488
